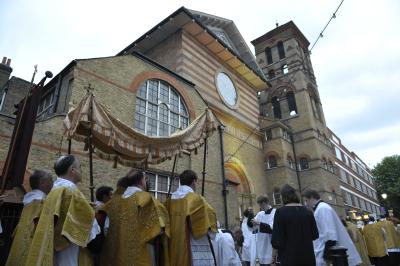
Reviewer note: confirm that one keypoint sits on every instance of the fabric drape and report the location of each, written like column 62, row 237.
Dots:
column 117, row 141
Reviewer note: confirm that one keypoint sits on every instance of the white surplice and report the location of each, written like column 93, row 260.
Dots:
column 35, row 194
column 263, row 240
column 247, row 235
column 70, row 255
column 224, row 250
column 330, row 227
column 201, row 250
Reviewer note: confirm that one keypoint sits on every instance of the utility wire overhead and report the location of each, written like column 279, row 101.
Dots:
column 322, row 32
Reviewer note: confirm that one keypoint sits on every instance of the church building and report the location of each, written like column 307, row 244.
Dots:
column 272, row 127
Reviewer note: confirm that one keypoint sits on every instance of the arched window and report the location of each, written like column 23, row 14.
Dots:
column 325, row 164
column 160, row 110
column 331, row 168
column 318, row 134
column 268, row 55
column 290, row 162
column 271, row 74
column 272, row 163
column 303, row 163
column 285, row 69
column 291, row 103
column 281, row 50
column 276, row 107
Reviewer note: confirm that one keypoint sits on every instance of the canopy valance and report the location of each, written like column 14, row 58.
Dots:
column 117, row 141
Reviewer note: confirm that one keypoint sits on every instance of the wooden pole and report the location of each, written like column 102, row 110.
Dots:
column 204, row 166
column 172, row 176
column 69, row 146
column 90, row 116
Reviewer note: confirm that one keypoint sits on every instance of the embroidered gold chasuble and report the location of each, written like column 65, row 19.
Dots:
column 135, row 222
column 359, row 242
column 66, row 217
column 188, row 215
column 24, row 233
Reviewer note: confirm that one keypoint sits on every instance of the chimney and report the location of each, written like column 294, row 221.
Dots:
column 5, row 71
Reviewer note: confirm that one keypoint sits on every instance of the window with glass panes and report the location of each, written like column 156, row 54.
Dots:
column 160, row 110
column 46, row 103
column 159, row 184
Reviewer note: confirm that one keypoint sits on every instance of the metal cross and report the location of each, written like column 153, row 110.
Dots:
column 89, row 88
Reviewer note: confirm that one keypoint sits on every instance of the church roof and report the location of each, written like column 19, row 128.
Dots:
column 287, row 26
column 219, row 35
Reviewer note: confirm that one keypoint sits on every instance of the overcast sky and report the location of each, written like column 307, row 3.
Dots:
column 356, row 63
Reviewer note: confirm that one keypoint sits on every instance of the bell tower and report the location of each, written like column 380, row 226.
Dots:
column 297, row 150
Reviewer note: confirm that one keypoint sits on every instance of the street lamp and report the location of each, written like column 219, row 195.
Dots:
column 384, row 196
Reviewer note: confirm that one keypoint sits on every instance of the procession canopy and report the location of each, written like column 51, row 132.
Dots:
column 114, row 140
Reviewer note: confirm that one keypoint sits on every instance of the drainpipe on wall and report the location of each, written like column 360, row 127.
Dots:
column 296, row 165
column 224, row 190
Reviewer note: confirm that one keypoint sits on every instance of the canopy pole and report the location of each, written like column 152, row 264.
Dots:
column 90, row 116
column 69, row 146
column 204, row 166
column 172, row 176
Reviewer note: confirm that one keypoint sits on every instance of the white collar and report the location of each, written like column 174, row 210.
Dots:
column 130, row 191
column 181, row 192
column 35, row 194
column 61, row 182
column 98, row 203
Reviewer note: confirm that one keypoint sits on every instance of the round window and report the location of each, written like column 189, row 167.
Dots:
column 226, row 89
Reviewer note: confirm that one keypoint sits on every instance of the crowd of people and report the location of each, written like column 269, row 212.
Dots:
column 309, row 234
column 128, row 226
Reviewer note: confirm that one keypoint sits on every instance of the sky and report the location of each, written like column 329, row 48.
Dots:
column 356, row 63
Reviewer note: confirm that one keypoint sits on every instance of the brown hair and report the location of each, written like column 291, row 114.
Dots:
column 289, row 195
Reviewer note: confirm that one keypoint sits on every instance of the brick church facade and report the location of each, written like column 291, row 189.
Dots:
column 273, row 128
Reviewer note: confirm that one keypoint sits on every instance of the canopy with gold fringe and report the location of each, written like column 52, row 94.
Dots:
column 114, row 140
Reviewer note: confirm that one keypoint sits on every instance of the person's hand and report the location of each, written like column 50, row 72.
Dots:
column 273, row 262
column 255, row 222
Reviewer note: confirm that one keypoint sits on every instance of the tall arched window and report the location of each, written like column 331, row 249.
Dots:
column 331, row 167
column 281, row 50
column 269, row 55
column 290, row 162
column 304, row 163
column 272, row 162
column 276, row 107
column 291, row 103
column 160, row 110
column 271, row 74
column 325, row 164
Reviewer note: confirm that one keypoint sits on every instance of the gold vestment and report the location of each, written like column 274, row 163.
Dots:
column 392, row 239
column 374, row 240
column 135, row 223
column 189, row 215
column 359, row 242
column 24, row 233
column 66, row 217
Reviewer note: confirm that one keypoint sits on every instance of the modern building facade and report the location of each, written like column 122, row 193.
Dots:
column 272, row 132
column 356, row 181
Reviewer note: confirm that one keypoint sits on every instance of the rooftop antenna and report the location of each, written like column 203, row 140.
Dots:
column 34, row 74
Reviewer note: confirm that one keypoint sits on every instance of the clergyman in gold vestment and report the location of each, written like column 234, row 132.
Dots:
column 375, row 240
column 41, row 183
column 66, row 224
column 193, row 223
column 359, row 242
column 138, row 227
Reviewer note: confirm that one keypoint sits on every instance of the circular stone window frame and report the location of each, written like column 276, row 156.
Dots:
column 224, row 71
